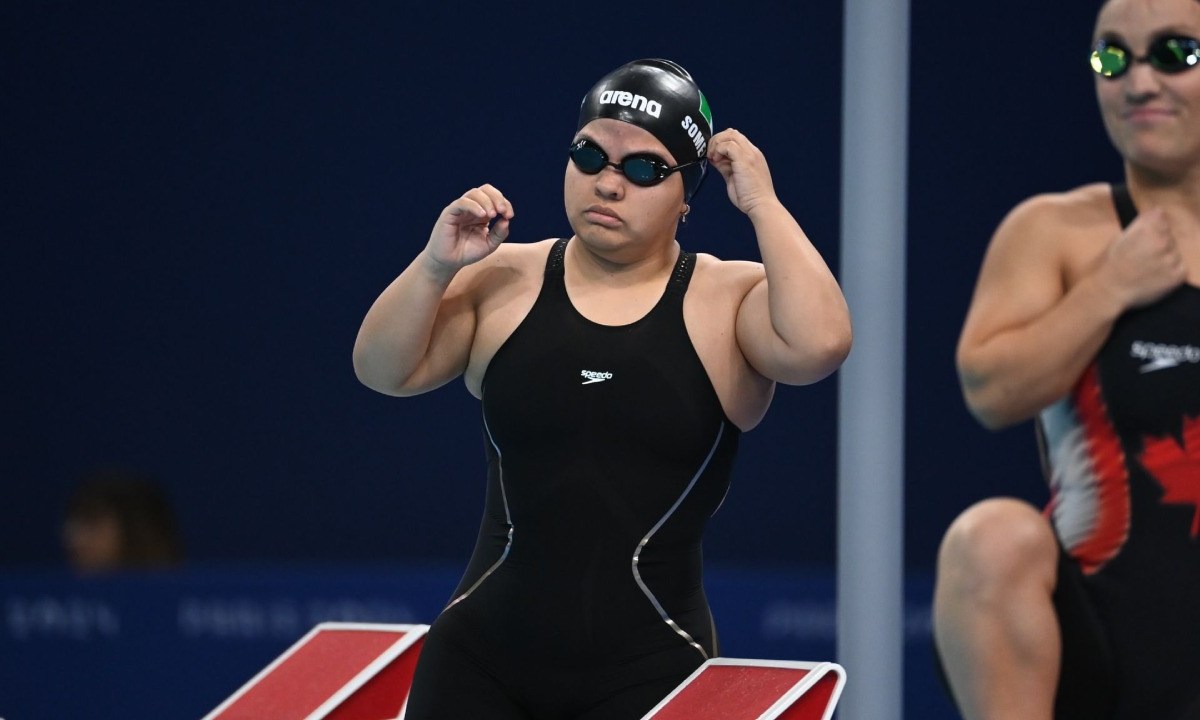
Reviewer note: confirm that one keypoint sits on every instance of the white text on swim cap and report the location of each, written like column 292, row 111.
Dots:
column 693, row 131
column 628, row 99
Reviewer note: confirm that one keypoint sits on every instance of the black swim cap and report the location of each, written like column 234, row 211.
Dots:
column 662, row 98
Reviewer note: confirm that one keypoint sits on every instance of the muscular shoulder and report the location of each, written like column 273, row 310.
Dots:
column 1056, row 233
column 1053, row 218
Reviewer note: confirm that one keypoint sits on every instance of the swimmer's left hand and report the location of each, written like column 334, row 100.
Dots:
column 747, row 177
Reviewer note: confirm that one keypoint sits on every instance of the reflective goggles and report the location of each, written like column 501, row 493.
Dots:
column 1168, row 54
column 640, row 168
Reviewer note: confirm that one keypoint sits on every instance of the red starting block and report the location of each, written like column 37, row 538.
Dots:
column 735, row 689
column 338, row 671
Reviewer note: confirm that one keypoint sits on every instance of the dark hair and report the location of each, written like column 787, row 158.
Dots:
column 148, row 533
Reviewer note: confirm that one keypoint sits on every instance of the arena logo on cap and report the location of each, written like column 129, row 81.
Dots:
column 628, row 99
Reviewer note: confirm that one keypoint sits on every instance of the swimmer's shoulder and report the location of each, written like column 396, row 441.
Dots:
column 1058, row 216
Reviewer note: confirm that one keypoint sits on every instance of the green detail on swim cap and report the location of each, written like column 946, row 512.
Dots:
column 705, row 111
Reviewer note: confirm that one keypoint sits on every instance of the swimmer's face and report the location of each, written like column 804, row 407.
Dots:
column 606, row 209
column 1152, row 117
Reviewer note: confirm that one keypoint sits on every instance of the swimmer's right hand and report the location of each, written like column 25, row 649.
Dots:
column 1144, row 263
column 469, row 229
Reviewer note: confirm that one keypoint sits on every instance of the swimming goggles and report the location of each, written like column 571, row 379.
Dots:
column 1168, row 54
column 640, row 168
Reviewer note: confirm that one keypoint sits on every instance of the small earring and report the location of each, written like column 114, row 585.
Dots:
column 683, row 215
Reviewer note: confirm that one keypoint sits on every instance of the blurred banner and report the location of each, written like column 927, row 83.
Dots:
column 175, row 645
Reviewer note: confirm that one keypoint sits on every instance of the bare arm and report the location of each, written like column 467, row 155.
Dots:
column 418, row 333
column 793, row 326
column 1028, row 337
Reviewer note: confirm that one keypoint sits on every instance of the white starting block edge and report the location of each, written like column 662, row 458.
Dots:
column 816, row 671
column 409, row 635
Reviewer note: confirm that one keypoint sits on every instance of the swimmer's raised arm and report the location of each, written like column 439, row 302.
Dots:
column 417, row 335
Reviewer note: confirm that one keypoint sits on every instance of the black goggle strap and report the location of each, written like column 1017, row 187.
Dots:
column 1171, row 54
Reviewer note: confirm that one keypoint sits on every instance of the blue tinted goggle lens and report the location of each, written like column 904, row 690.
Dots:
column 640, row 170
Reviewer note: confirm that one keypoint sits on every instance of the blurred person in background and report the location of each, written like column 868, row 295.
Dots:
column 120, row 520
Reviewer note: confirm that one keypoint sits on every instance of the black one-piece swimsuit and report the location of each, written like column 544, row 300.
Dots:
column 607, row 450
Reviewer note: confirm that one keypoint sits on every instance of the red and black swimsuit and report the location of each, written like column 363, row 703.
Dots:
column 1122, row 455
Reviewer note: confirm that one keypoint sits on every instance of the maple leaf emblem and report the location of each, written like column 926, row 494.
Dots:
column 1177, row 468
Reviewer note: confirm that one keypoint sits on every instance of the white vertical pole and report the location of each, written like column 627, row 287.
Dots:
column 870, row 587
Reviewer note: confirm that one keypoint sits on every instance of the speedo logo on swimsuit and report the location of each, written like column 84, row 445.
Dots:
column 628, row 99
column 1162, row 357
column 591, row 376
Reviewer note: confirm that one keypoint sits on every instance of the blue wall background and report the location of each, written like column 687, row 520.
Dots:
column 201, row 200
